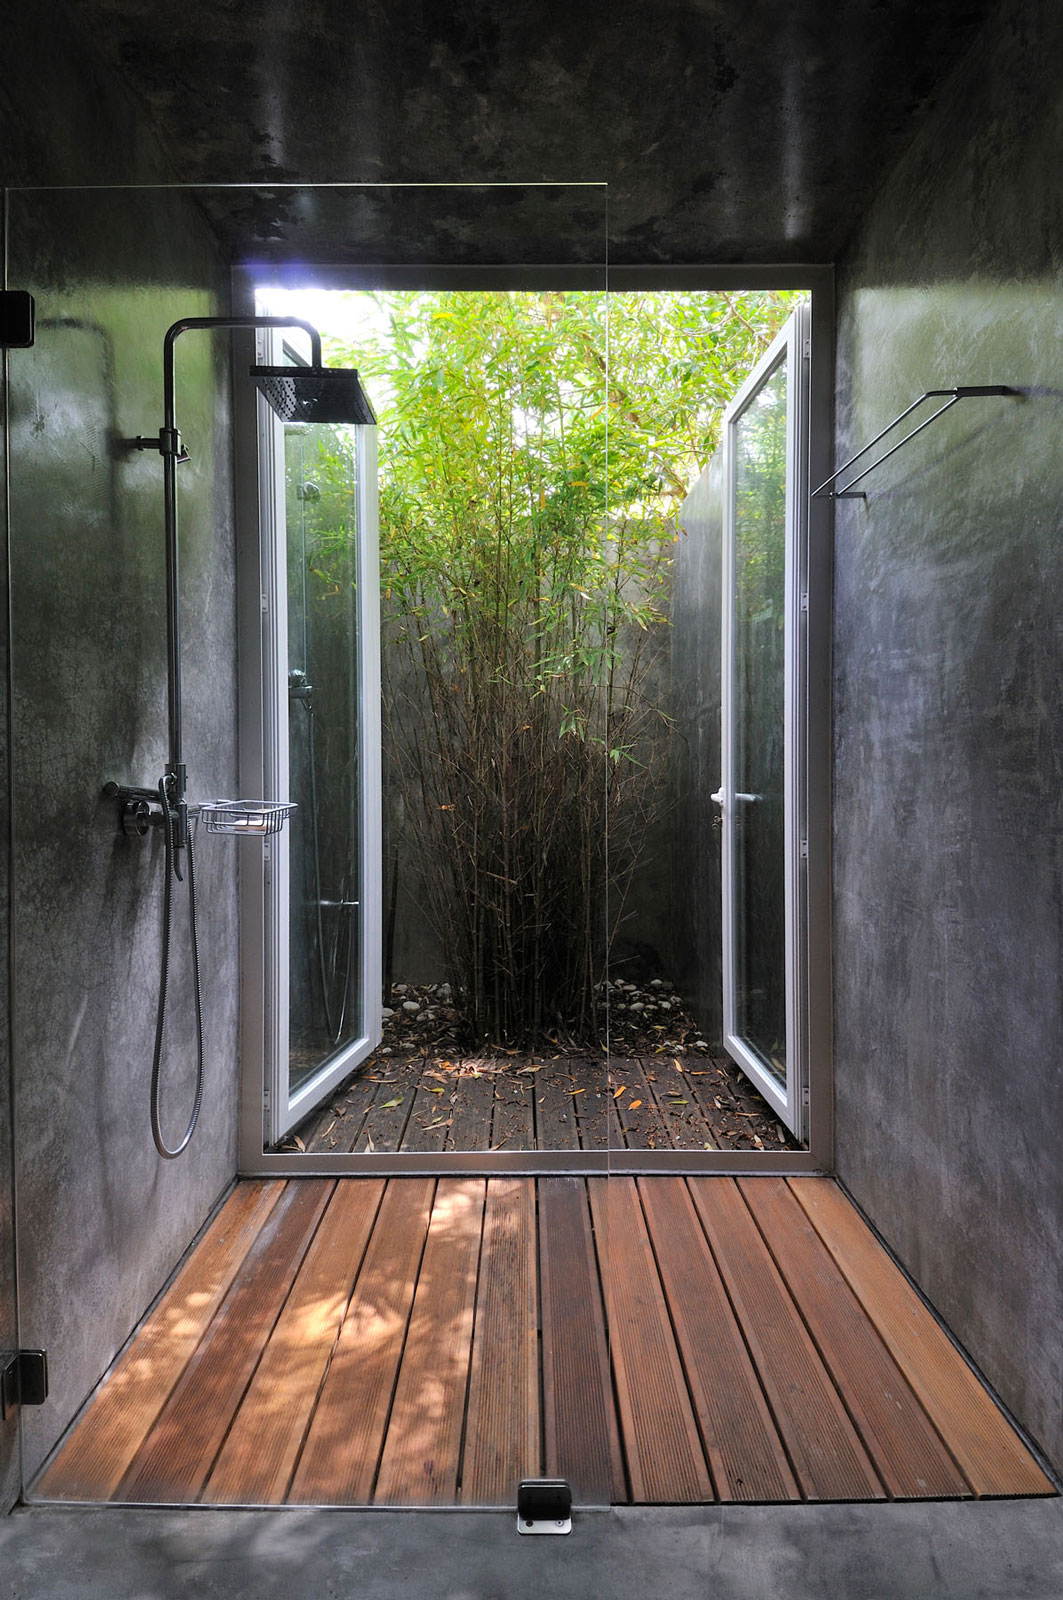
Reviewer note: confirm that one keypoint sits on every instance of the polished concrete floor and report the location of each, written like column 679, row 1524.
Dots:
column 985, row 1550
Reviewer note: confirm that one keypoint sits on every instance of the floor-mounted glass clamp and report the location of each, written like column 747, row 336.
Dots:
column 544, row 1505
column 970, row 391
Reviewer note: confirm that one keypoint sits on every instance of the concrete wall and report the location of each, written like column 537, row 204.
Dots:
column 949, row 719
column 101, row 1219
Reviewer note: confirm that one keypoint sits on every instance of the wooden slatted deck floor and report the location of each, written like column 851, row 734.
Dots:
column 569, row 1103
column 423, row 1341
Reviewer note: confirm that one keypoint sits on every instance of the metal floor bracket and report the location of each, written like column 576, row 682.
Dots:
column 544, row 1505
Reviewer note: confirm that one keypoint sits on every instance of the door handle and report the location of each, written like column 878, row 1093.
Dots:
column 748, row 798
column 717, row 798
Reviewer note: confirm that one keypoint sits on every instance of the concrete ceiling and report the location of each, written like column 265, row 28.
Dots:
column 727, row 130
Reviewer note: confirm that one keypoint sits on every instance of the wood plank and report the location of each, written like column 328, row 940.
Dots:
column 176, row 1457
column 579, row 1418
column 427, row 1128
column 828, row 1458
column 680, row 1111
column 700, row 1076
column 421, row 1456
column 338, row 1464
column 502, row 1421
column 337, row 1127
column 907, row 1452
column 97, row 1454
column 385, row 1123
column 644, row 1127
column 745, row 1453
column 666, row 1463
column 472, row 1103
column 990, row 1453
column 592, row 1107
column 556, row 1118
column 256, row 1461
column 513, row 1127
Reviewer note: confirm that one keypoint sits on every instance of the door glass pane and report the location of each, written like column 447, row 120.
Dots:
column 325, row 870
column 760, row 441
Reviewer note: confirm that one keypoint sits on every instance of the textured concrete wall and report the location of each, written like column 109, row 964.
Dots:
column 101, row 1219
column 949, row 719
column 697, row 609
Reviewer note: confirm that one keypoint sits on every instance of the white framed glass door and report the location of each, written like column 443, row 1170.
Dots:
column 321, row 946
column 764, row 562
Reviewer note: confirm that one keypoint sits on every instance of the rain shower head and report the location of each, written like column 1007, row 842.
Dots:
column 314, row 394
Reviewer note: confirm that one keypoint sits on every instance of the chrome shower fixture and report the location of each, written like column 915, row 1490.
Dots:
column 311, row 393
column 314, row 394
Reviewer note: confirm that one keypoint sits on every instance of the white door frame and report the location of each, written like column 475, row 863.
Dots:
column 816, row 1003
column 267, row 1108
column 790, row 348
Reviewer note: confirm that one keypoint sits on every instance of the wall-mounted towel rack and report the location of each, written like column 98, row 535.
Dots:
column 963, row 392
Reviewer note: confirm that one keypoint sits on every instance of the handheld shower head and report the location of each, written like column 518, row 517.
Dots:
column 314, row 394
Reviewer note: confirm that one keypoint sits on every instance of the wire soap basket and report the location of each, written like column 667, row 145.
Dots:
column 256, row 817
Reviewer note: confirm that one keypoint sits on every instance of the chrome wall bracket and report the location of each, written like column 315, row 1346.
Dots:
column 970, row 391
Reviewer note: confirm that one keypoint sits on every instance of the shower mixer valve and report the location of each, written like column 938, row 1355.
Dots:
column 140, row 810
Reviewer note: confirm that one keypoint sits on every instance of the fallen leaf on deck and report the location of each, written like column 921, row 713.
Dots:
column 633, row 1105
column 618, row 1092
column 389, row 1103
column 675, row 1063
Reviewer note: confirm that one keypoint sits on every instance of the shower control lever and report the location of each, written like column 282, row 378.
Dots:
column 167, row 442
column 139, row 809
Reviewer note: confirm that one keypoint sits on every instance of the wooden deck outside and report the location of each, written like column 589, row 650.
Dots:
column 568, row 1103
column 425, row 1341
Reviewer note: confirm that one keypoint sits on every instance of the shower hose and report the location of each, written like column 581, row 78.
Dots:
column 173, row 875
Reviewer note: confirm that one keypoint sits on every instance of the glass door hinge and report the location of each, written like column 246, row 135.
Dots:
column 23, row 1379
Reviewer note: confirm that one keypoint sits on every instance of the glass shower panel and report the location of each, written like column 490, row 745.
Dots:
column 112, row 271
column 760, row 477
column 325, row 866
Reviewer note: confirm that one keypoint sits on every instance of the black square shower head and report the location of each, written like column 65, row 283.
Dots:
column 315, row 394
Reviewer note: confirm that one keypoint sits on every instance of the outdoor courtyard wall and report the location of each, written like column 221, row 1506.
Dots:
column 948, row 718
column 102, row 1220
